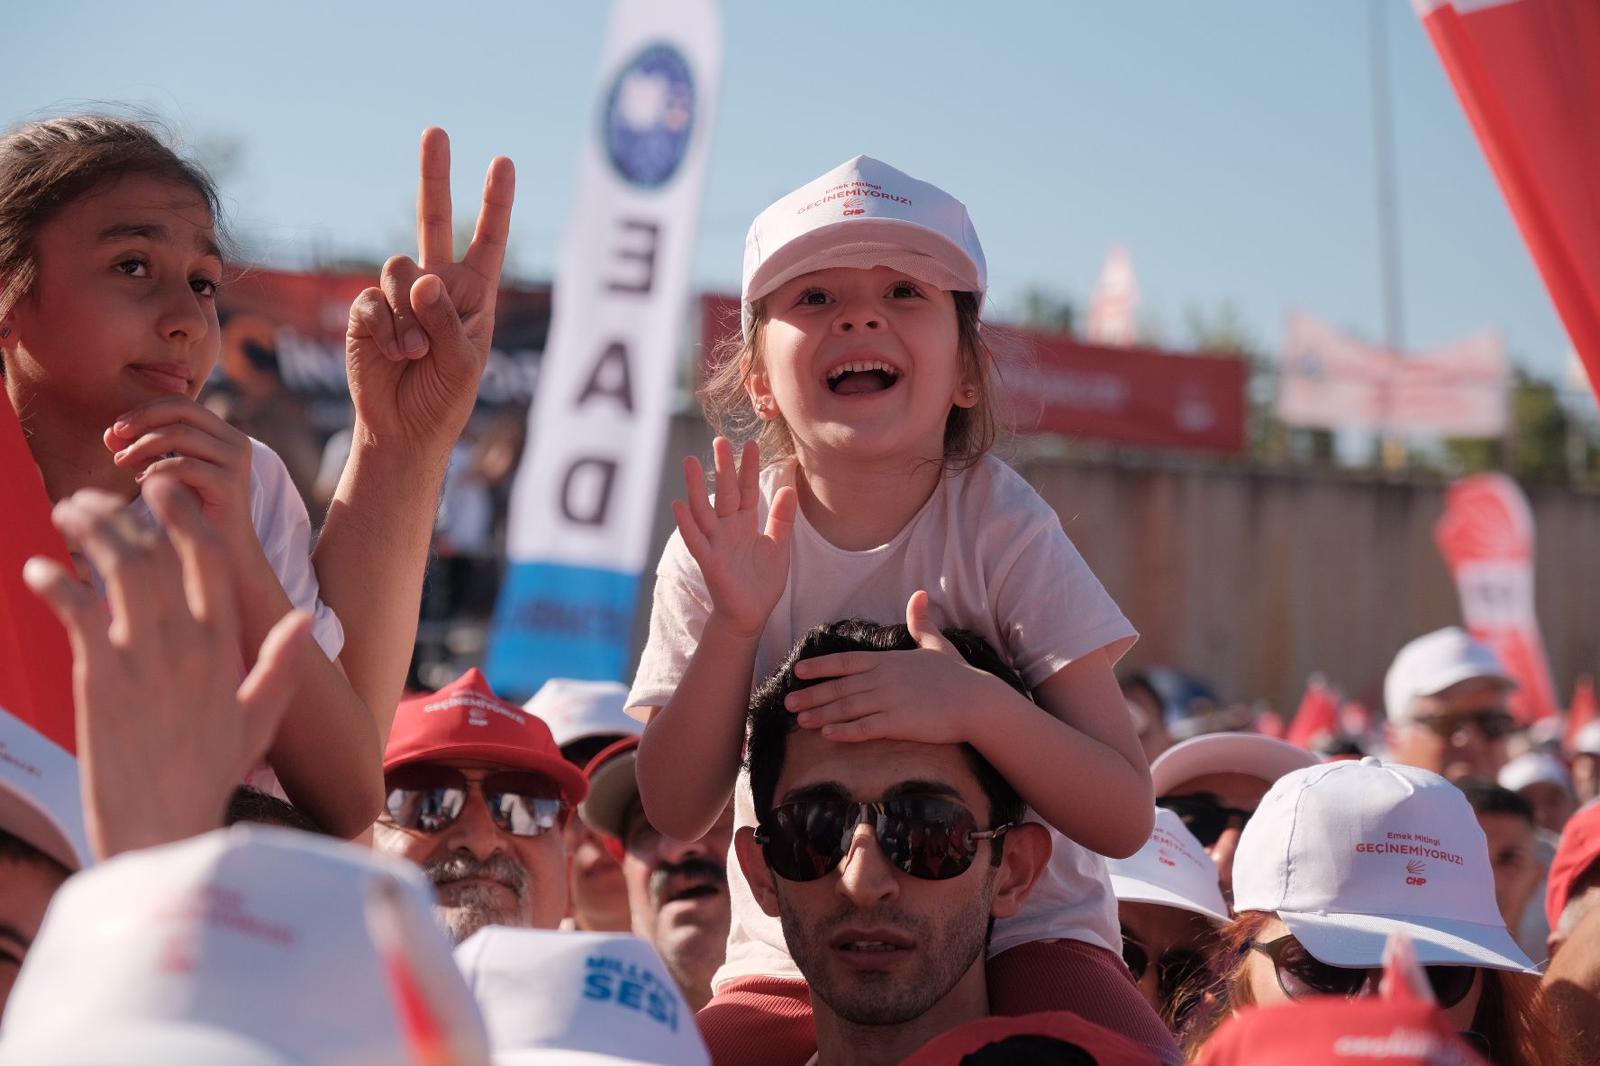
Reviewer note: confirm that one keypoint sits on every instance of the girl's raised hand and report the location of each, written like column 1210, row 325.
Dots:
column 745, row 567
column 924, row 695
column 417, row 345
column 175, row 435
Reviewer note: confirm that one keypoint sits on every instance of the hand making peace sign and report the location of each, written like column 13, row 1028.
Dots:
column 416, row 346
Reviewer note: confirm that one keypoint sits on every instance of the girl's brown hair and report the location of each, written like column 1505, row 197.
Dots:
column 46, row 165
column 969, row 432
column 1511, row 1017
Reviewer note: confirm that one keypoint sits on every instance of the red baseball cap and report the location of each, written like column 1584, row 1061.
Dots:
column 1332, row 1030
column 1107, row 1047
column 466, row 720
column 1579, row 850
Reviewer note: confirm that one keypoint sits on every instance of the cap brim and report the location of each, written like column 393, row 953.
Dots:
column 1251, row 754
column 1133, row 890
column 177, row 1043
column 33, row 824
column 612, row 790
column 923, row 253
column 1359, row 940
column 568, row 778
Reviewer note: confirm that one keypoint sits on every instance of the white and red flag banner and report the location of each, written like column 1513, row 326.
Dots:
column 1331, row 380
column 1114, row 311
column 1486, row 538
column 1528, row 75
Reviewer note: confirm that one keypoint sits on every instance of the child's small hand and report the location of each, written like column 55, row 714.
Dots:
column 177, row 436
column 417, row 345
column 745, row 568
column 924, row 695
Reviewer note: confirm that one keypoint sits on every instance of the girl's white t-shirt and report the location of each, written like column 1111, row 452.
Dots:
column 994, row 559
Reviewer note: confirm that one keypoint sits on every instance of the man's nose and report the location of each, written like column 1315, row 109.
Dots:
column 865, row 876
column 474, row 831
column 675, row 851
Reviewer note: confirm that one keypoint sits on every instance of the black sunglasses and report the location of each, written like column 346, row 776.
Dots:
column 1203, row 816
column 1300, row 974
column 1492, row 724
column 429, row 798
column 1173, row 969
column 925, row 836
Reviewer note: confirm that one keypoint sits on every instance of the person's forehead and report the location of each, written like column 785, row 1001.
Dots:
column 1506, row 828
column 1243, row 791
column 176, row 211
column 866, row 770
column 1156, row 925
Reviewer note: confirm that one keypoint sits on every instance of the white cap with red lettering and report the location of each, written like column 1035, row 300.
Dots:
column 262, row 941
column 1348, row 853
column 39, row 800
column 863, row 213
column 580, row 998
column 1172, row 869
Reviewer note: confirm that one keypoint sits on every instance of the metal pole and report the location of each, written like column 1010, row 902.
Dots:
column 1392, row 448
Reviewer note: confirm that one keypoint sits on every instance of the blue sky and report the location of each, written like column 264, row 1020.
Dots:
column 1228, row 144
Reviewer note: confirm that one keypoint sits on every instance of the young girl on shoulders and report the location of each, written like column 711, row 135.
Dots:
column 110, row 262
column 864, row 383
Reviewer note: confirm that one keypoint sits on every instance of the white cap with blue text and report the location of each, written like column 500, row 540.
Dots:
column 863, row 213
column 580, row 998
column 1348, row 853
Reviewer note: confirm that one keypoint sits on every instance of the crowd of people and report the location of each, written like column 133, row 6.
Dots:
column 874, row 795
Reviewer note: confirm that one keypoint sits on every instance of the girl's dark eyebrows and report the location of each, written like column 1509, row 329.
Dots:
column 155, row 231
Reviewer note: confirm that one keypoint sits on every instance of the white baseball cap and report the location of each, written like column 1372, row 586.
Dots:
column 563, row 997
column 39, row 799
column 1251, row 754
column 1432, row 663
column 577, row 709
column 1172, row 869
column 1587, row 742
column 863, row 213
column 1347, row 853
column 1534, row 768
column 263, row 936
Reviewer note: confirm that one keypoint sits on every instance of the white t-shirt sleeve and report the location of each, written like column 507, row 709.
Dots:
column 678, row 612
column 1050, row 607
column 284, row 529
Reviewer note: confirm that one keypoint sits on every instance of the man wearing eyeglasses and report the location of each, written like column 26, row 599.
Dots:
column 477, row 795
column 1448, row 700
column 886, row 863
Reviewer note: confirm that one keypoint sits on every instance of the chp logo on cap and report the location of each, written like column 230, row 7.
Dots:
column 649, row 116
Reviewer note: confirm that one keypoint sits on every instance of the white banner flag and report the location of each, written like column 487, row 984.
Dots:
column 585, row 495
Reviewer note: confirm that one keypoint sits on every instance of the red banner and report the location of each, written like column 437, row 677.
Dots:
column 35, row 660
column 1486, row 537
column 1528, row 74
column 1055, row 384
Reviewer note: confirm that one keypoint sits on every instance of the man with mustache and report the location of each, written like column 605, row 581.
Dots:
column 677, row 890
column 886, row 862
column 478, row 795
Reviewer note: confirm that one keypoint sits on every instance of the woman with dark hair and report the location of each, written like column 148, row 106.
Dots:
column 1340, row 856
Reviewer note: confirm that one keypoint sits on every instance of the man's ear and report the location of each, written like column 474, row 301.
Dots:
column 756, row 872
column 1025, row 855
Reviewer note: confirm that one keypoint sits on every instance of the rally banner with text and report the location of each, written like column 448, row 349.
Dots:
column 1486, row 538
column 1528, row 75
column 585, row 494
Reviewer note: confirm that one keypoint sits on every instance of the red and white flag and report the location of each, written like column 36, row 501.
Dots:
column 1486, row 537
column 1528, row 75
column 35, row 660
column 1114, row 312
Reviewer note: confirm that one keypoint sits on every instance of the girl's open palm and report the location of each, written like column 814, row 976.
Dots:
column 745, row 566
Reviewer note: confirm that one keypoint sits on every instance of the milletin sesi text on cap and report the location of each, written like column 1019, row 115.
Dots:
column 863, row 214
column 1347, row 853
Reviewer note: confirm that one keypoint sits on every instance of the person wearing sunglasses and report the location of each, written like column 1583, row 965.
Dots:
column 887, row 865
column 1448, row 698
column 1214, row 782
column 1340, row 856
column 477, row 794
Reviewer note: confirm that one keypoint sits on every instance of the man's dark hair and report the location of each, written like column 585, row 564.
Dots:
column 14, row 849
column 1487, row 797
column 258, row 808
column 771, row 723
column 1026, row 1049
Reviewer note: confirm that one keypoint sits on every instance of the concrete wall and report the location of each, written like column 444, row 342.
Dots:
column 1255, row 578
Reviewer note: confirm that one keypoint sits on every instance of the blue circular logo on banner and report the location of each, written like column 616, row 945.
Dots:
column 649, row 116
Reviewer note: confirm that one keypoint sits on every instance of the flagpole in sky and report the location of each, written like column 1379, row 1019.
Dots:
column 1391, row 445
